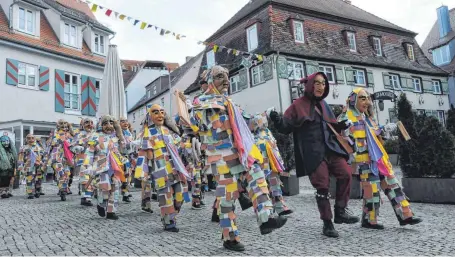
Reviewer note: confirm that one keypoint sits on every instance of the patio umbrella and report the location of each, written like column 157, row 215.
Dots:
column 112, row 92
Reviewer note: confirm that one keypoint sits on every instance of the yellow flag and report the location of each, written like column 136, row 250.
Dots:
column 215, row 48
column 122, row 16
column 94, row 7
column 143, row 24
column 259, row 57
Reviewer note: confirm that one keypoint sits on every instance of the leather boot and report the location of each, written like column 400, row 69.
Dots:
column 329, row 229
column 234, row 246
column 215, row 217
column 342, row 215
column 272, row 224
column 126, row 199
column 101, row 211
column 111, row 216
column 409, row 221
column 366, row 224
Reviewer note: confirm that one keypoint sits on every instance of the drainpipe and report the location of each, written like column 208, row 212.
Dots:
column 112, row 36
column 278, row 81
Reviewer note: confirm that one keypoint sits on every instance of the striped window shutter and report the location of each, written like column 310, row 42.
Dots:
column 85, row 94
column 59, row 91
column 43, row 78
column 11, row 72
column 92, row 96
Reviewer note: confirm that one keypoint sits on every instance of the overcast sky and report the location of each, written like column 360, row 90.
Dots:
column 201, row 18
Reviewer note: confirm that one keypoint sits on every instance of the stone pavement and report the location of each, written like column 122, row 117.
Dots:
column 47, row 226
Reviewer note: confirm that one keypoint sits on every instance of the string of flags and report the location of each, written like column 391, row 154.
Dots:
column 145, row 25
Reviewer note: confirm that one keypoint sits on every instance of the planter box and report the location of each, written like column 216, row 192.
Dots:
column 356, row 191
column 429, row 190
column 393, row 159
column 290, row 184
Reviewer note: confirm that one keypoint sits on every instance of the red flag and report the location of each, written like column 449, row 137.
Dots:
column 108, row 12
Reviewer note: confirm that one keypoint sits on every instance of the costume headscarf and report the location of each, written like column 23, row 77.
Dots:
column 303, row 109
column 5, row 163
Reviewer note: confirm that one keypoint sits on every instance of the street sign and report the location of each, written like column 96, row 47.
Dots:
column 384, row 95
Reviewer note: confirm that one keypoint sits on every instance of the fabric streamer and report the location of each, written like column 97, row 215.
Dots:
column 378, row 156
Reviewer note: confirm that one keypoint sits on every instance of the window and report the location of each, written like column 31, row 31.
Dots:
column 97, row 94
column 70, row 35
column 392, row 116
column 441, row 55
column 154, row 90
column 234, row 83
column 298, row 32
column 295, row 70
column 441, row 117
column 359, row 77
column 210, row 59
column 328, row 70
column 417, row 83
column 420, row 112
column 377, row 46
column 411, row 52
column 258, row 75
column 351, row 42
column 134, row 116
column 252, row 37
column 26, row 21
column 27, row 76
column 395, row 81
column 162, row 101
column 72, row 92
column 436, row 87
column 99, row 44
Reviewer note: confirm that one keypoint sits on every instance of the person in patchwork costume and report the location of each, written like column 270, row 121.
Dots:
column 273, row 164
column 30, row 165
column 8, row 161
column 159, row 159
column 60, row 157
column 104, row 163
column 372, row 164
column 193, row 159
column 230, row 150
column 127, row 152
column 79, row 146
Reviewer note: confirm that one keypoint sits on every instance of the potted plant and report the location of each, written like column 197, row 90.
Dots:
column 428, row 159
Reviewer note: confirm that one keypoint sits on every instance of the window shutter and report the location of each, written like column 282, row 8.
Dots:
column 427, row 85
column 404, row 82
column 11, row 72
column 311, row 67
column 339, row 74
column 370, row 78
column 85, row 95
column 445, row 86
column 92, row 96
column 43, row 78
column 349, row 76
column 243, row 79
column 59, row 91
column 268, row 70
column 385, row 77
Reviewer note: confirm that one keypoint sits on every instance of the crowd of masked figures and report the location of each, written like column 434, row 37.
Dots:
column 246, row 153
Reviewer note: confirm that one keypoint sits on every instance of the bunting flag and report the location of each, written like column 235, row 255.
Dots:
column 178, row 36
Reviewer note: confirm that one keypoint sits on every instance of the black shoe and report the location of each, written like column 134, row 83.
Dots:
column 101, row 211
column 37, row 195
column 202, row 204
column 286, row 212
column 154, row 197
column 215, row 217
column 343, row 215
column 410, row 221
column 85, row 202
column 41, row 193
column 69, row 192
column 272, row 224
column 30, row 197
column 329, row 230
column 174, row 229
column 366, row 224
column 111, row 216
column 234, row 246
column 126, row 199
column 10, row 195
column 147, row 210
column 196, row 206
column 130, row 195
column 63, row 196
column 4, row 196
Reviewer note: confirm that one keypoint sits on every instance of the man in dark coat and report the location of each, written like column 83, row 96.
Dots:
column 317, row 151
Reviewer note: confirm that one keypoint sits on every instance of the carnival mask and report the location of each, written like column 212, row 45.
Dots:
column 363, row 102
column 108, row 126
column 30, row 139
column 5, row 141
column 157, row 114
column 63, row 125
column 220, row 79
column 124, row 124
column 319, row 86
column 88, row 125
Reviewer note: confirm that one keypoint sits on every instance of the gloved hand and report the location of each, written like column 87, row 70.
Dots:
column 342, row 125
column 274, row 116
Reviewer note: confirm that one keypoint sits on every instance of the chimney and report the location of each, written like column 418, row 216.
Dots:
column 188, row 58
column 443, row 21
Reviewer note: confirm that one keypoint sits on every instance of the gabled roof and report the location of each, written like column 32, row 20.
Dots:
column 336, row 8
column 176, row 75
column 129, row 73
column 433, row 41
column 78, row 5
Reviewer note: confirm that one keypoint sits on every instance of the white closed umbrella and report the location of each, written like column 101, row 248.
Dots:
column 112, row 92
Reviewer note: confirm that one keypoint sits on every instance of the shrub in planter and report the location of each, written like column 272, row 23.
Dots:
column 451, row 120
column 392, row 146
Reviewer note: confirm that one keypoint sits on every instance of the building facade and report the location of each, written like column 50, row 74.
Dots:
column 52, row 56
column 352, row 47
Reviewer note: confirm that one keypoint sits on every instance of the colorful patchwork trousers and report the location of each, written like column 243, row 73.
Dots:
column 170, row 201
column 128, row 174
column 108, row 192
column 274, row 182
column 33, row 182
column 371, row 196
column 63, row 174
column 226, row 174
column 5, row 185
column 320, row 179
column 196, row 185
column 86, row 191
column 147, row 187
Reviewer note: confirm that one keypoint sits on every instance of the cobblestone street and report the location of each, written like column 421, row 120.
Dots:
column 47, row 226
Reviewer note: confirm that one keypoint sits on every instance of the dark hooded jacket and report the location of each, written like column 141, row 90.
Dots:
column 313, row 139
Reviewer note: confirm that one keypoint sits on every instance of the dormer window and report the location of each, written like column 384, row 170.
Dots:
column 351, row 41
column 252, row 37
column 27, row 20
column 299, row 35
column 70, row 35
column 410, row 50
column 99, row 44
column 377, row 46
